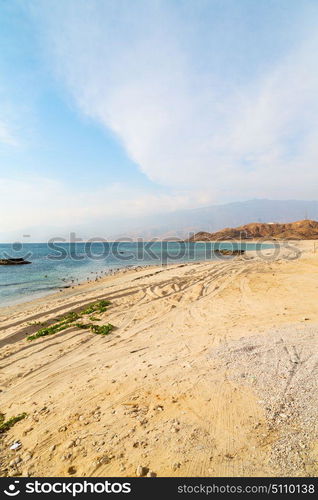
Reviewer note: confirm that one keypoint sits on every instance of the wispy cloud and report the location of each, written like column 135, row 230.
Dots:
column 43, row 202
column 186, row 120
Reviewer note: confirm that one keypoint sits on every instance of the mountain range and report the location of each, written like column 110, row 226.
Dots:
column 181, row 224
column 300, row 230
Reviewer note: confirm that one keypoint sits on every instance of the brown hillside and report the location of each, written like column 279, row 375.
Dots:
column 300, row 230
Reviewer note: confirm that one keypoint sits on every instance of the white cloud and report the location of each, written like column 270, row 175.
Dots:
column 43, row 202
column 188, row 127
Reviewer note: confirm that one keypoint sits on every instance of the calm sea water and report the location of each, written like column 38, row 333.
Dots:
column 66, row 264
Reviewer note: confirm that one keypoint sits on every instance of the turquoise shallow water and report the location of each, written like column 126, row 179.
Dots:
column 64, row 264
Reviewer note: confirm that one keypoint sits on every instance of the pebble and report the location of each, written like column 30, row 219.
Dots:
column 141, row 471
column 176, row 466
column 15, row 461
column 16, row 445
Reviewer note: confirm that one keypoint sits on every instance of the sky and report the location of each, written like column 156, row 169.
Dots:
column 116, row 108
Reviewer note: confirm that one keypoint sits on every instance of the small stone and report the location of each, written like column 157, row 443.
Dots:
column 151, row 474
column 141, row 471
column 16, row 445
column 29, row 429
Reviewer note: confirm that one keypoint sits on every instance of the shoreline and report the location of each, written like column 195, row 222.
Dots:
column 99, row 275
column 191, row 360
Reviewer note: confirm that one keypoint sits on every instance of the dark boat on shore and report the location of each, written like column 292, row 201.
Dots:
column 14, row 262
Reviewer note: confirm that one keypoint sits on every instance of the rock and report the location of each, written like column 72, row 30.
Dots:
column 141, row 471
column 158, row 408
column 15, row 461
column 151, row 474
column 230, row 252
column 176, row 466
column 29, row 429
column 16, row 445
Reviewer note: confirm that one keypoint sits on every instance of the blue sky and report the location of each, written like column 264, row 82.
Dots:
column 112, row 109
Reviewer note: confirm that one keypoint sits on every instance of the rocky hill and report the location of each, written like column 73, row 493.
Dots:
column 300, row 230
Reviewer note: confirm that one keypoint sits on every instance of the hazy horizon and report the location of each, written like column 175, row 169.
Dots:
column 178, row 224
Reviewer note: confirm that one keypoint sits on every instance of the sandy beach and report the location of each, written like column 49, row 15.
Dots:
column 211, row 370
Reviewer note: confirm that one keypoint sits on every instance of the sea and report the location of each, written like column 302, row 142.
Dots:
column 56, row 265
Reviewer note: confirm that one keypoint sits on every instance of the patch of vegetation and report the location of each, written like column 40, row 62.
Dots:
column 98, row 329
column 50, row 330
column 6, row 425
column 70, row 318
column 93, row 318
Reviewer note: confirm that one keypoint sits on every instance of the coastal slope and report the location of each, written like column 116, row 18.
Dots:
column 300, row 230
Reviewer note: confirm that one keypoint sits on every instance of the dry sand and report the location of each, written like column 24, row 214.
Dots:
column 211, row 371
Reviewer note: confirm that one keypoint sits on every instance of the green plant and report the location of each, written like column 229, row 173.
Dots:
column 102, row 329
column 98, row 329
column 6, row 425
column 98, row 307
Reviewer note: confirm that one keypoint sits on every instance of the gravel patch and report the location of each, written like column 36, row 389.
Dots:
column 282, row 367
